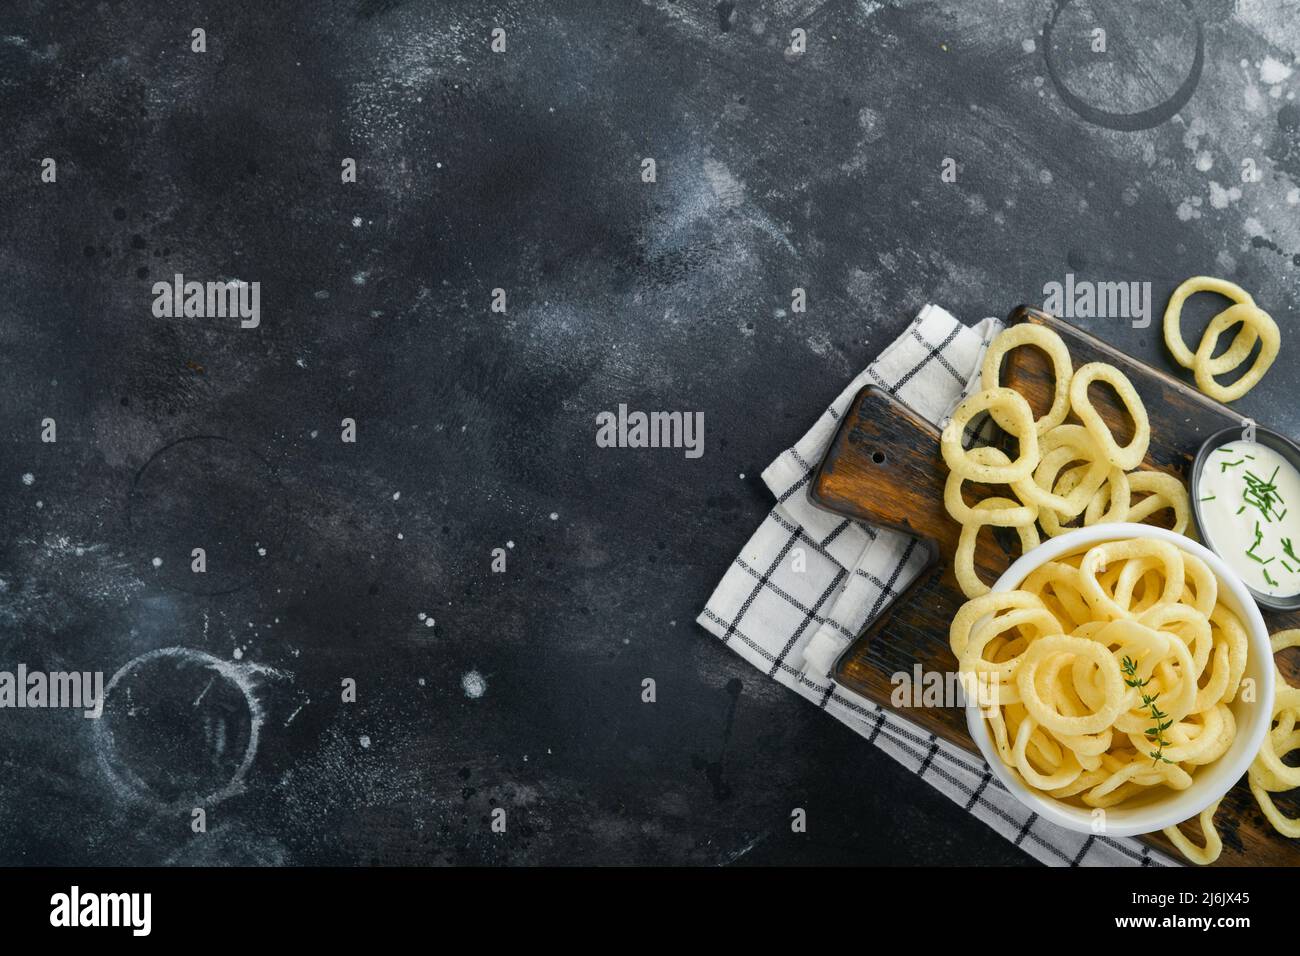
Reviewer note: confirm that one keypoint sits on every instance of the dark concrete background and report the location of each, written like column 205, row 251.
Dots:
column 521, row 171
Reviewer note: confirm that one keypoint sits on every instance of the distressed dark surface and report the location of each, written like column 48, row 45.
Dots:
column 520, row 171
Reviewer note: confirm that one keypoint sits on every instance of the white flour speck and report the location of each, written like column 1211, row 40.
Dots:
column 29, row 478
column 554, row 516
column 1029, row 46
column 428, row 622
column 157, row 562
column 356, row 222
column 1220, row 197
column 1274, row 71
column 397, row 495
column 422, row 615
column 510, row 544
column 474, row 684
column 365, row 742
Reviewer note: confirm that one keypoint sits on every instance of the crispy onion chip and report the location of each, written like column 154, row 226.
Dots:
column 1204, row 855
column 1021, row 424
column 1205, row 367
column 1044, row 338
column 1244, row 341
column 1129, row 456
column 964, row 561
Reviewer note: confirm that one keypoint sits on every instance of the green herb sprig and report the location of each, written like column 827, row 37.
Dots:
column 1154, row 734
column 1262, row 495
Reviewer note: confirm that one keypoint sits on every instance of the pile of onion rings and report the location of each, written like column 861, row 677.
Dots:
column 1107, row 672
column 1064, row 471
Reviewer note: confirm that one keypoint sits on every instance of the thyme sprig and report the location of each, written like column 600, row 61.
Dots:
column 1154, row 734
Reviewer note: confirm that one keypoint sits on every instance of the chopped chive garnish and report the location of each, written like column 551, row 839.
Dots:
column 1260, row 495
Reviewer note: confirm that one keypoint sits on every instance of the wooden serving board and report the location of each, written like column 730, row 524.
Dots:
column 884, row 467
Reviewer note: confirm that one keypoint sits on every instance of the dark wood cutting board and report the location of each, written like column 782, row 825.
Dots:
column 884, row 467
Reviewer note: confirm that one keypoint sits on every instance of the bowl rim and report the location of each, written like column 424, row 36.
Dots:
column 1273, row 439
column 1224, row 773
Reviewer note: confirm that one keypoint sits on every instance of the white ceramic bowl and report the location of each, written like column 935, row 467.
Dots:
column 1209, row 782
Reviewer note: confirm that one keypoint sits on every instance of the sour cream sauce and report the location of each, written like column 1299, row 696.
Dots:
column 1249, row 500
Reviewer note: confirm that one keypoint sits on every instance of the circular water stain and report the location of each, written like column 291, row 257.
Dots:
column 180, row 727
column 206, row 492
column 1150, row 48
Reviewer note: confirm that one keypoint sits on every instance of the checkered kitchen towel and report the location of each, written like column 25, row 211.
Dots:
column 793, row 625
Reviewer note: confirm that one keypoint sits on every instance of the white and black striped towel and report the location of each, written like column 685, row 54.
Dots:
column 793, row 623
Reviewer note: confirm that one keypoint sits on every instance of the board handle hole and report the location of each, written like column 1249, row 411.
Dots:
column 878, row 457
